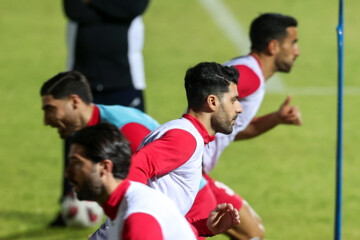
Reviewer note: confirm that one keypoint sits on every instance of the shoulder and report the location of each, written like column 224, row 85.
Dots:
column 249, row 82
column 142, row 226
column 250, row 74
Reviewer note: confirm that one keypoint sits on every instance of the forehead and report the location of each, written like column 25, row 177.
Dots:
column 232, row 90
column 77, row 151
column 49, row 100
column 291, row 33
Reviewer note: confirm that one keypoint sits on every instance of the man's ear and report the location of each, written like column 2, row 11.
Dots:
column 106, row 167
column 212, row 102
column 75, row 101
column 273, row 47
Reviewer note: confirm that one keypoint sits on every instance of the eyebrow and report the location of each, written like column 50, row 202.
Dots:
column 47, row 106
column 73, row 158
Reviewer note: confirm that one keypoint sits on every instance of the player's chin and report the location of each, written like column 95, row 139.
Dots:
column 62, row 133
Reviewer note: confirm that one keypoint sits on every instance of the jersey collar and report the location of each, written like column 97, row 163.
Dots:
column 201, row 129
column 257, row 60
column 112, row 204
column 95, row 117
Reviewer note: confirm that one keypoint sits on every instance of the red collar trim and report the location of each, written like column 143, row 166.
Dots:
column 198, row 125
column 256, row 60
column 112, row 204
column 95, row 117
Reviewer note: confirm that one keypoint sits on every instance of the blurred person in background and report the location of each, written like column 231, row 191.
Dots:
column 274, row 48
column 105, row 41
column 68, row 106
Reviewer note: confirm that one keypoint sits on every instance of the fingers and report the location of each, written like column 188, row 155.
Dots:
column 236, row 217
column 229, row 208
column 293, row 116
column 287, row 101
column 290, row 114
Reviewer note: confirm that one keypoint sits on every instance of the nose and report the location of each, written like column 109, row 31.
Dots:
column 238, row 107
column 297, row 50
column 46, row 122
column 67, row 172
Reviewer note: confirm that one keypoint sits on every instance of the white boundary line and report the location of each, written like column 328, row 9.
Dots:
column 225, row 19
column 227, row 22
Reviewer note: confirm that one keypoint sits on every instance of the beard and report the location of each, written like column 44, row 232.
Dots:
column 225, row 128
column 221, row 123
column 91, row 189
column 284, row 65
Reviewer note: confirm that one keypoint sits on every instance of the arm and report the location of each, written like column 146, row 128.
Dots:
column 223, row 217
column 161, row 156
column 141, row 226
column 134, row 133
column 286, row 114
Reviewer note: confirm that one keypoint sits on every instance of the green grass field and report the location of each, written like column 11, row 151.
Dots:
column 287, row 175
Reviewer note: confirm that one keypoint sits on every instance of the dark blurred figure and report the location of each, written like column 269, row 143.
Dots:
column 105, row 40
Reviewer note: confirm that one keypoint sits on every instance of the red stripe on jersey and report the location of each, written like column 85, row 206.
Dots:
column 95, row 117
column 248, row 83
column 134, row 133
column 200, row 127
column 141, row 226
column 201, row 226
column 112, row 204
column 163, row 155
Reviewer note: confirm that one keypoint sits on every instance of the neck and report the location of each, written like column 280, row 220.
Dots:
column 110, row 187
column 86, row 113
column 204, row 118
column 267, row 63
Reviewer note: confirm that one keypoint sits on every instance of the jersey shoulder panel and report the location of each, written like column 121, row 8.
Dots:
column 251, row 76
column 120, row 115
column 248, row 82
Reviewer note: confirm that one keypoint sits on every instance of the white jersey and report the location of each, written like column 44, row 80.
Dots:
column 251, row 88
column 138, row 212
column 171, row 158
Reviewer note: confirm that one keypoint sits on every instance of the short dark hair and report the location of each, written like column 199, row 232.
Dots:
column 105, row 141
column 267, row 27
column 208, row 78
column 64, row 84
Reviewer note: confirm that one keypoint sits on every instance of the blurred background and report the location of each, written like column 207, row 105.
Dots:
column 288, row 175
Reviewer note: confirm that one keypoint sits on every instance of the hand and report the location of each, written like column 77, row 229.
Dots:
column 223, row 217
column 289, row 114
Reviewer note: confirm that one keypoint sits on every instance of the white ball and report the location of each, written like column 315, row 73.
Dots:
column 77, row 213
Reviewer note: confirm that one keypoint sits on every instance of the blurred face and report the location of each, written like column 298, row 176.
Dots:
column 59, row 113
column 289, row 51
column 229, row 108
column 84, row 175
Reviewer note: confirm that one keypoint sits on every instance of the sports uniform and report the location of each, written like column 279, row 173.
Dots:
column 170, row 160
column 136, row 211
column 251, row 89
column 133, row 123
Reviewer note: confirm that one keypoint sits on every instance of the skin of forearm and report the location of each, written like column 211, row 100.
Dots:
column 259, row 125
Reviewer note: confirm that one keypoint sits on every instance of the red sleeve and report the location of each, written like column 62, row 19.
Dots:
column 141, row 226
column 248, row 82
column 163, row 155
column 201, row 227
column 134, row 133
